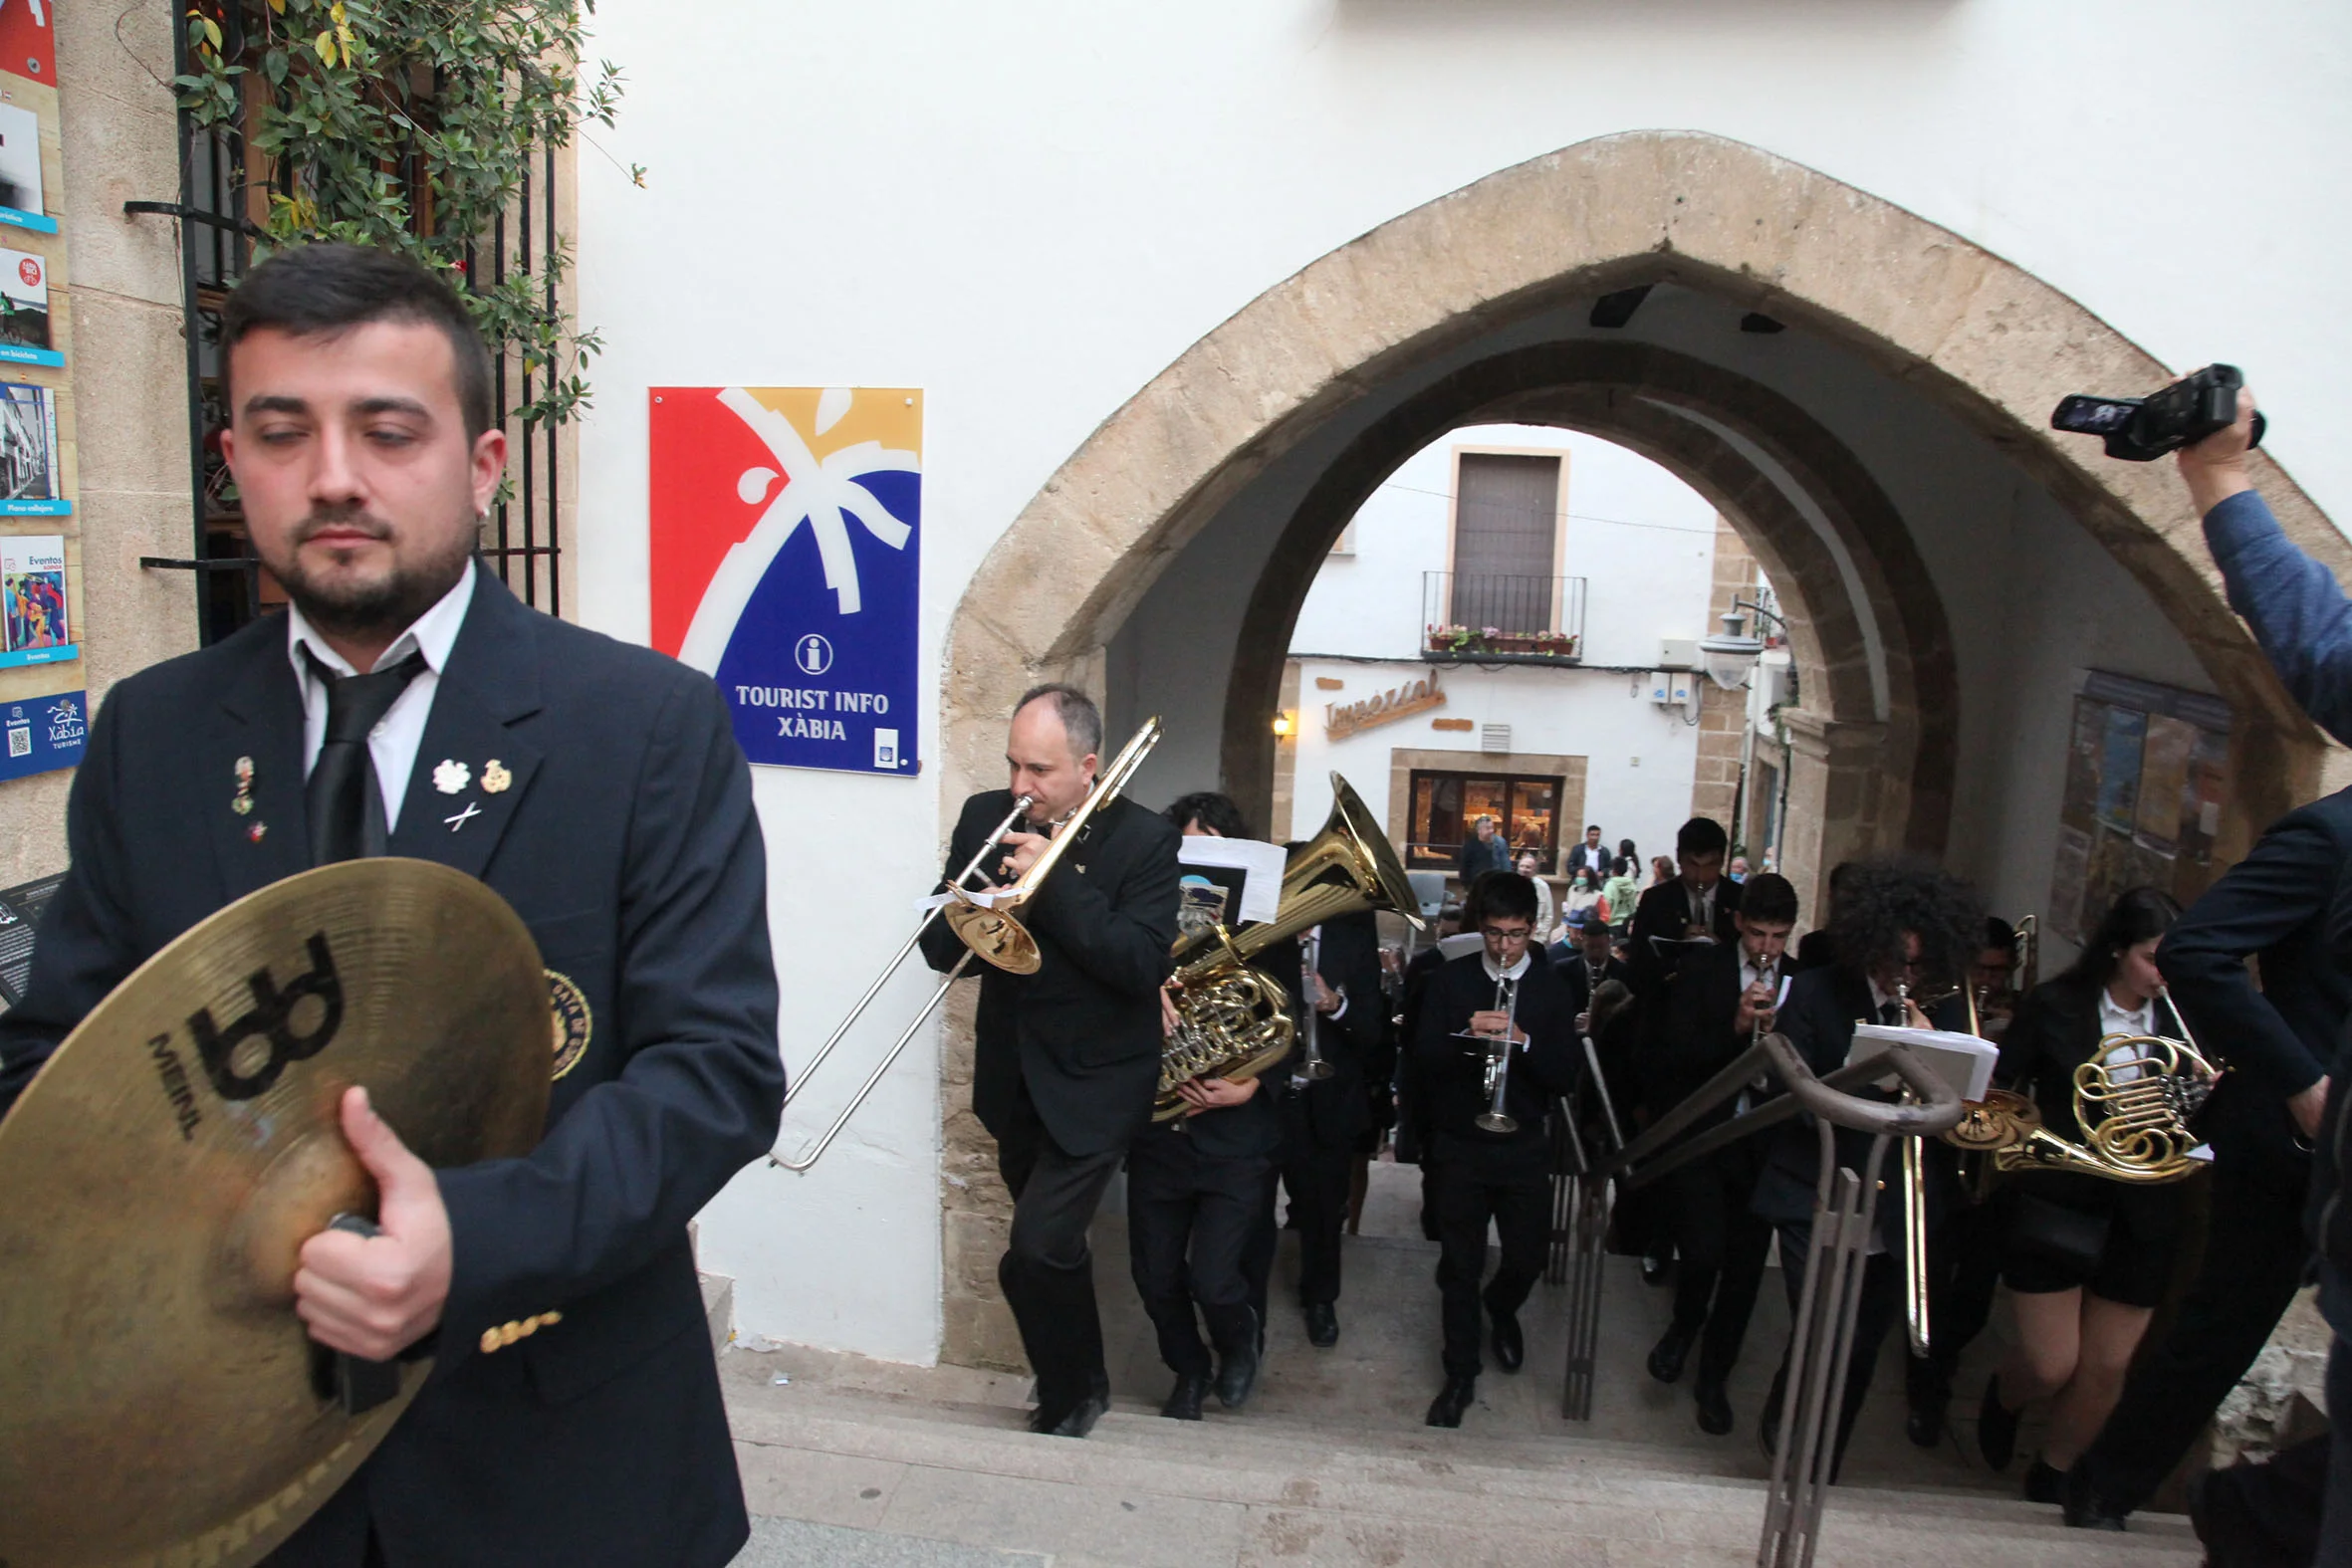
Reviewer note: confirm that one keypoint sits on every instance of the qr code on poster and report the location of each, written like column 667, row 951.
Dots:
column 20, row 742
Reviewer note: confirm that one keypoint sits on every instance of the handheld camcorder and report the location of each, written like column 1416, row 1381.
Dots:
column 2143, row 429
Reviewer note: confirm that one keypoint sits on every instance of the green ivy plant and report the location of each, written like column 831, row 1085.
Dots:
column 410, row 124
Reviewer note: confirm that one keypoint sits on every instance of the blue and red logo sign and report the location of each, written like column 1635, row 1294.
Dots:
column 786, row 563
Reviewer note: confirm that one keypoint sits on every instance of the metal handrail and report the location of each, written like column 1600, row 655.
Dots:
column 1844, row 1214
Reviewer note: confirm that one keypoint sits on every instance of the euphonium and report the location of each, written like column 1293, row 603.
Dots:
column 1231, row 1021
column 2133, row 1114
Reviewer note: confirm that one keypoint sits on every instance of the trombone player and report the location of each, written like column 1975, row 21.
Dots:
column 1066, row 1059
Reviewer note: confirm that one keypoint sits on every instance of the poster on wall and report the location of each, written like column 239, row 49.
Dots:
column 786, row 560
column 20, row 159
column 32, row 601
column 2145, row 776
column 43, row 734
column 28, row 43
column 24, row 310
column 30, row 484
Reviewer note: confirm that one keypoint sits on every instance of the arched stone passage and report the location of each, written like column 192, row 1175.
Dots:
column 1984, row 339
column 1637, row 395
column 1980, row 340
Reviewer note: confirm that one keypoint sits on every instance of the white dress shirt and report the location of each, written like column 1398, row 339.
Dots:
column 392, row 744
column 2115, row 1018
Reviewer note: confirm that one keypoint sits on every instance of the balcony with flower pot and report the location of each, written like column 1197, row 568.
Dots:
column 1494, row 619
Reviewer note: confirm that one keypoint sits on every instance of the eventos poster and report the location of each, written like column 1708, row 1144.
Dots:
column 787, row 560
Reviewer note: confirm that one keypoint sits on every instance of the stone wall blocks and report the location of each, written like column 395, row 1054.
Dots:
column 127, row 438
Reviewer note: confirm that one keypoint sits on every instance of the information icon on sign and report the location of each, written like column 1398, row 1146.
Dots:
column 813, row 654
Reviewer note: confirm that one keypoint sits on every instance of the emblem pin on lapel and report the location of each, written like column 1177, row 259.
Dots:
column 451, row 777
column 473, row 809
column 241, row 803
column 495, row 777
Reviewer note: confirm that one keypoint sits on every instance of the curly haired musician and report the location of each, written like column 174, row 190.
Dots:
column 1480, row 1176
column 1896, row 929
column 408, row 704
column 1068, row 1059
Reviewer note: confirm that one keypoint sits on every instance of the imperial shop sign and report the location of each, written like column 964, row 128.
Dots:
column 1342, row 720
column 787, row 555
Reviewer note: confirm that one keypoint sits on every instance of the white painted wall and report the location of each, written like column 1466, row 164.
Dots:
column 1029, row 209
column 1643, row 540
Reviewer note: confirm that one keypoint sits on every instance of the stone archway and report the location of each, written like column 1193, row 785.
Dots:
column 1984, row 341
column 1889, row 774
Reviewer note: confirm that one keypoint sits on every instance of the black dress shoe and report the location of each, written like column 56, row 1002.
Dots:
column 1452, row 1400
column 1236, row 1374
column 2044, row 1484
column 1925, row 1425
column 1511, row 1346
column 1997, row 1427
column 1322, row 1325
column 2084, row 1507
column 1655, row 1266
column 1669, row 1354
column 1184, row 1400
column 1715, row 1411
column 1073, row 1418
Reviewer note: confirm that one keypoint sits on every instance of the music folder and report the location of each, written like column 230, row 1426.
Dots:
column 1961, row 1060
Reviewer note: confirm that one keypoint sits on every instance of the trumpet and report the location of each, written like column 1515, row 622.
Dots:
column 997, row 939
column 1494, row 1118
column 989, row 923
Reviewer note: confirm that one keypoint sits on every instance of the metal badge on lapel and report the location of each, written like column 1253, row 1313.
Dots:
column 472, row 810
column 451, row 777
column 241, row 803
column 495, row 777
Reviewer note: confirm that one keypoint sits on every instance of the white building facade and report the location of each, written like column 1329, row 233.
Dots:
column 1546, row 747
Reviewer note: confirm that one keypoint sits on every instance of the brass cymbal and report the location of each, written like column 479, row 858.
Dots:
column 159, row 1401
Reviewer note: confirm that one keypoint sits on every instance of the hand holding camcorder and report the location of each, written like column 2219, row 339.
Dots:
column 2143, row 429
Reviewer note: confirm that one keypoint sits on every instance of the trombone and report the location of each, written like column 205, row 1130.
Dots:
column 999, row 937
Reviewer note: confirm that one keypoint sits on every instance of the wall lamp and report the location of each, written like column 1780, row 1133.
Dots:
column 1730, row 656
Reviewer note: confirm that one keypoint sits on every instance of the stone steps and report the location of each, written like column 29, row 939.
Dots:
column 1240, row 1491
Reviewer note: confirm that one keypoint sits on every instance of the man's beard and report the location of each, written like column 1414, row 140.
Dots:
column 387, row 606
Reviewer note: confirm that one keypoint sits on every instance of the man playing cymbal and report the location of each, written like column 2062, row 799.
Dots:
column 408, row 704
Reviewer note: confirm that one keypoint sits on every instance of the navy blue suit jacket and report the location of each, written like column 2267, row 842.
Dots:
column 627, row 843
column 2276, row 903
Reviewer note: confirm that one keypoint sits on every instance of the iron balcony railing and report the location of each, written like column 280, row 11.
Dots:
column 1493, row 618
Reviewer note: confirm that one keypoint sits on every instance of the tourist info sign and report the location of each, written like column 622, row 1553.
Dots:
column 787, row 555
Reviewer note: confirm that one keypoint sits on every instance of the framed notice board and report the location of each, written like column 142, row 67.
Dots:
column 2147, row 770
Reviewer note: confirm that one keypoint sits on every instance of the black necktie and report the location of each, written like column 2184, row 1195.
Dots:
column 346, row 803
column 1891, row 1012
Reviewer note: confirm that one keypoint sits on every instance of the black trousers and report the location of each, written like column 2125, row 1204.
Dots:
column 1964, row 1268
column 1515, row 1195
column 1882, row 1302
column 1048, row 1271
column 1317, row 1181
column 1723, row 1249
column 1192, row 1221
column 2253, row 1262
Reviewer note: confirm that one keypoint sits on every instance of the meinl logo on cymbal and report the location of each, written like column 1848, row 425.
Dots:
column 245, row 1059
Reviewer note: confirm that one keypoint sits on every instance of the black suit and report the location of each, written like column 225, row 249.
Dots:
column 2277, row 1041
column 1067, row 1062
column 1322, row 1119
column 627, row 843
column 1662, row 912
column 1482, row 1177
column 1718, row 1236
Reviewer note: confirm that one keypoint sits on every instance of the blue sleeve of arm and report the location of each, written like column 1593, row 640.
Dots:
column 2300, row 617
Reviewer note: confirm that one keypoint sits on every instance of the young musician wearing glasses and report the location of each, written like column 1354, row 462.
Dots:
column 1718, row 1004
column 1483, row 1174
